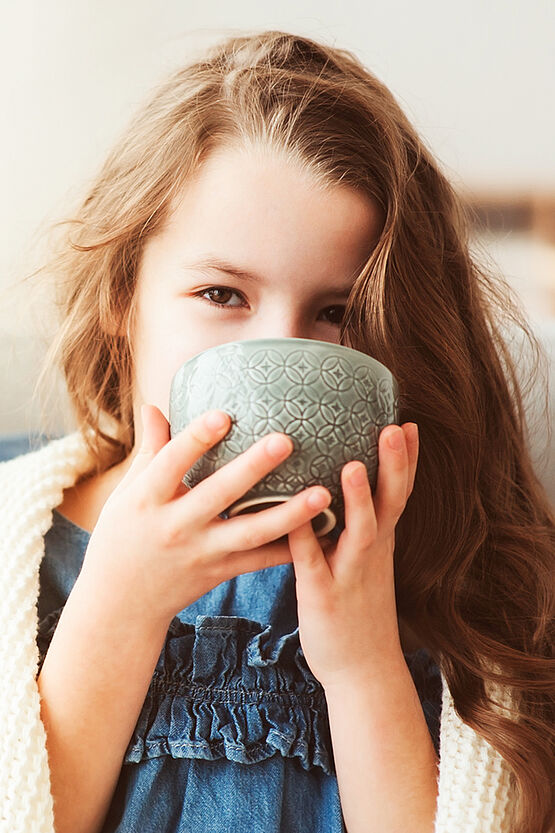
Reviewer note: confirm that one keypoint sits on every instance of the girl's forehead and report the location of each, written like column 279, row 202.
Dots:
column 236, row 177
column 250, row 218
column 271, row 210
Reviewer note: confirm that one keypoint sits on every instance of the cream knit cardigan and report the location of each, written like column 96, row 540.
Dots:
column 474, row 788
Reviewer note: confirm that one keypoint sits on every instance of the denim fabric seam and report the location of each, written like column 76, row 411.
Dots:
column 163, row 684
column 253, row 746
column 233, row 626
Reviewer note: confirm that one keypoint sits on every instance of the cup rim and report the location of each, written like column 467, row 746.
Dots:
column 261, row 341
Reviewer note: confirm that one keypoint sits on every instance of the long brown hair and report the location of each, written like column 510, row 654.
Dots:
column 475, row 543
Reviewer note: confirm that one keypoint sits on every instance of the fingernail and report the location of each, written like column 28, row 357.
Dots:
column 216, row 420
column 413, row 430
column 395, row 439
column 317, row 500
column 357, row 476
column 277, row 446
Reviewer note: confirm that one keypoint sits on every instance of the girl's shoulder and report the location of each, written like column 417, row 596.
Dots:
column 41, row 472
column 23, row 452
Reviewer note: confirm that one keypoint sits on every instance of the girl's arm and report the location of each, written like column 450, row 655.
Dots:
column 387, row 767
column 349, row 632
column 154, row 550
column 93, row 683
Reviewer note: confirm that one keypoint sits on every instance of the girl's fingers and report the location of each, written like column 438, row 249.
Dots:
column 411, row 439
column 360, row 516
column 154, row 436
column 177, row 456
column 308, row 559
column 215, row 493
column 170, row 459
column 249, row 561
column 156, row 430
column 253, row 530
column 393, row 479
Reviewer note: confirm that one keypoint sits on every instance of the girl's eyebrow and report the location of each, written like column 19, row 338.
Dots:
column 219, row 265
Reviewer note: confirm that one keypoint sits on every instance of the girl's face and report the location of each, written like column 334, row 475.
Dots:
column 294, row 248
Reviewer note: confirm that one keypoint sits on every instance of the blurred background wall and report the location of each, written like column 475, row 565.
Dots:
column 476, row 79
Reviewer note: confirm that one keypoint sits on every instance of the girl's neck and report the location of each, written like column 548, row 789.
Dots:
column 83, row 502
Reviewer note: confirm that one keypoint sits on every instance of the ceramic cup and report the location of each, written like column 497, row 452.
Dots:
column 331, row 400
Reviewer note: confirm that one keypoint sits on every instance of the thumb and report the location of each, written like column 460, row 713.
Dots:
column 150, row 436
column 156, row 430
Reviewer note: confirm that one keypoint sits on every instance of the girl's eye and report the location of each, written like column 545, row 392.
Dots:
column 218, row 289
column 337, row 310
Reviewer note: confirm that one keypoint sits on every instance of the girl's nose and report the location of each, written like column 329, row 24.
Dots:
column 280, row 327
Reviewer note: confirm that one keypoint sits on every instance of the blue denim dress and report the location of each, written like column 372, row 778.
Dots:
column 233, row 734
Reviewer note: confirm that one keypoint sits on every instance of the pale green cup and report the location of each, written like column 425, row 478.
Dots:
column 331, row 400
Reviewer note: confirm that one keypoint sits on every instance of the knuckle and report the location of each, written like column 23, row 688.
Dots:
column 200, row 434
column 142, row 502
column 205, row 433
column 254, row 536
column 254, row 465
column 368, row 538
column 254, row 462
column 171, row 534
column 300, row 502
column 197, row 562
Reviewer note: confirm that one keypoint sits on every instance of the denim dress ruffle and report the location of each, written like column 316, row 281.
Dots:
column 233, row 734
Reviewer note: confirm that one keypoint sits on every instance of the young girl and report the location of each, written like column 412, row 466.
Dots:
column 166, row 669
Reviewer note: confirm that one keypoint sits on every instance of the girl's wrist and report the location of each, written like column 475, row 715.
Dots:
column 381, row 672
column 102, row 601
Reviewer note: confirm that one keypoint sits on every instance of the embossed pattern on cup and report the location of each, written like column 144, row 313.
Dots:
column 331, row 400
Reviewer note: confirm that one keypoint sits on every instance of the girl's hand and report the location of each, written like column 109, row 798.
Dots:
column 159, row 546
column 346, row 593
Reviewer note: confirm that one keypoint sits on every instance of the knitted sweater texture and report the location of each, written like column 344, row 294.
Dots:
column 474, row 785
